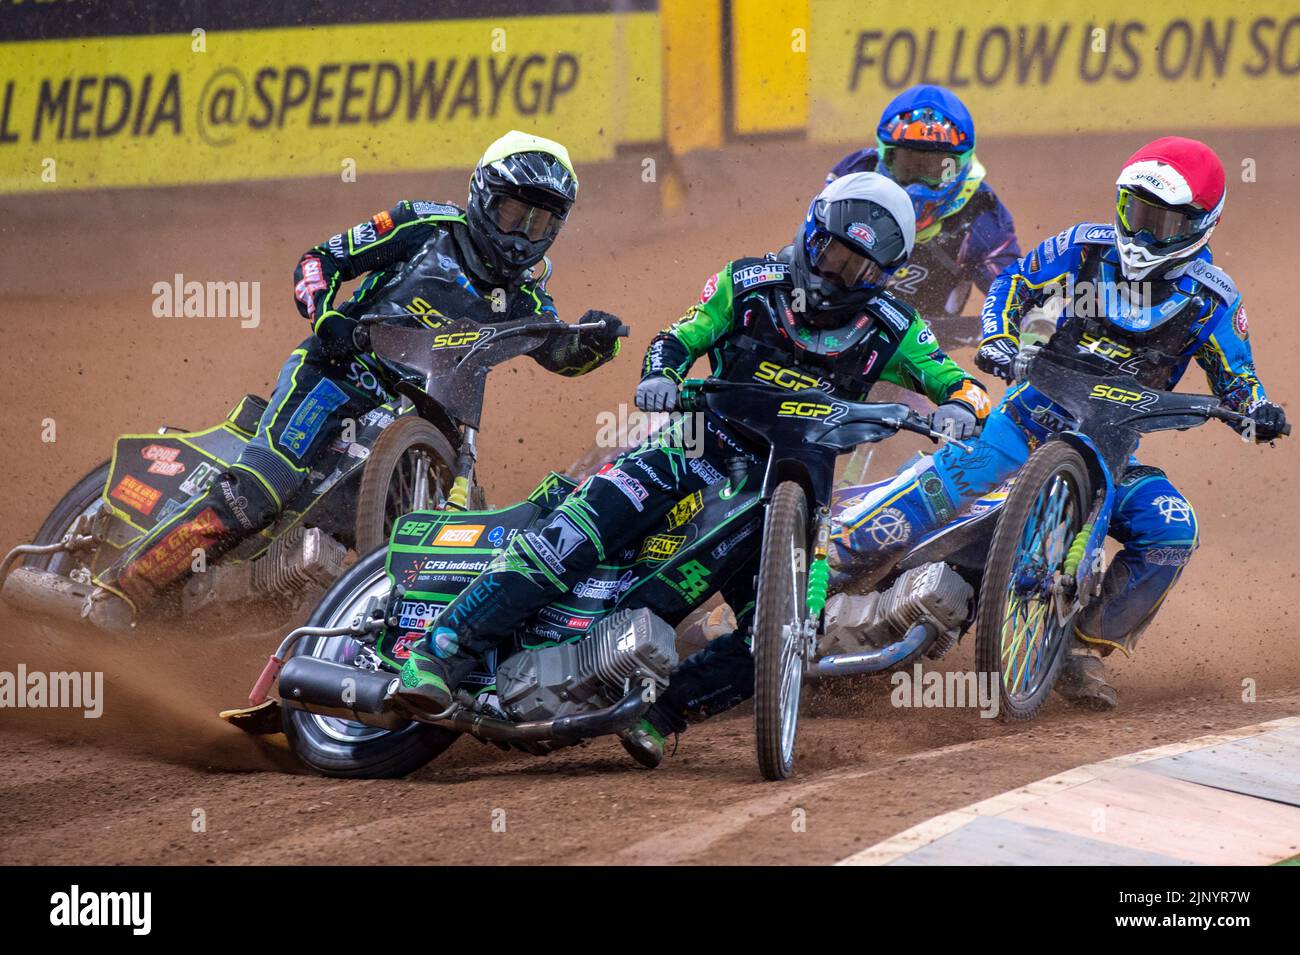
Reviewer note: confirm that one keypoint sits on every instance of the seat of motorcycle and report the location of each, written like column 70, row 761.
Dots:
column 245, row 415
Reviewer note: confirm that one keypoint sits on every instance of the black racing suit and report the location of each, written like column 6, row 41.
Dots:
column 423, row 267
column 745, row 324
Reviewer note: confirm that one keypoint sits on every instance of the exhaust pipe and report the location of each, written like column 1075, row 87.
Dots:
column 41, row 592
column 920, row 636
column 365, row 696
column 564, row 729
column 334, row 689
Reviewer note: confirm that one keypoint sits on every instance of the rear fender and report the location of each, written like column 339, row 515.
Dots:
column 152, row 475
column 433, row 556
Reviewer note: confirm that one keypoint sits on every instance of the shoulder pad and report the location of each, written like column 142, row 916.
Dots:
column 441, row 210
column 896, row 315
column 1092, row 233
column 1213, row 278
column 748, row 273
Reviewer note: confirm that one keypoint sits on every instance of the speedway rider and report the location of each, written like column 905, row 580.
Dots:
column 925, row 142
column 816, row 313
column 426, row 261
column 1144, row 293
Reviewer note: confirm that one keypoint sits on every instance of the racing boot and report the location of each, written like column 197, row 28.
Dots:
column 435, row 668
column 1083, row 681
column 644, row 743
column 427, row 683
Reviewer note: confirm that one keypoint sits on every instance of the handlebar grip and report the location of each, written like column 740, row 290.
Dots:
column 623, row 331
column 690, row 395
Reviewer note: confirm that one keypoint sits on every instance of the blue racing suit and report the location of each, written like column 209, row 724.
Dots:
column 1194, row 312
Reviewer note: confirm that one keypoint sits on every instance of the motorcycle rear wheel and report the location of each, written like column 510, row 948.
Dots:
column 779, row 615
column 1019, row 639
column 342, row 748
column 84, row 498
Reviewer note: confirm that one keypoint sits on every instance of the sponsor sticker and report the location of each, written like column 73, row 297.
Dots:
column 459, row 535
column 312, row 281
column 632, row 489
column 728, row 545
column 892, row 315
column 136, row 495
column 383, row 222
column 433, row 209
column 602, row 589
column 363, row 234
column 416, row 614
column 762, row 274
column 710, row 288
column 685, row 509
column 199, row 478
column 863, row 233
column 889, row 526
column 659, row 547
column 1240, row 325
column 706, row 471
column 310, row 416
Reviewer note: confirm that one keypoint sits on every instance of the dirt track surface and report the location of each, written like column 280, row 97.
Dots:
column 84, row 350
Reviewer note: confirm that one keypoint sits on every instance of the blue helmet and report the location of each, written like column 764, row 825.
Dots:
column 926, row 141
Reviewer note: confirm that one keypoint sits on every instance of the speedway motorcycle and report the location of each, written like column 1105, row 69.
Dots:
column 591, row 663
column 1027, row 558
column 414, row 453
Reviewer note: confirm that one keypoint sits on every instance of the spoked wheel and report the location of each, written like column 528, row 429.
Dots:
column 1019, row 635
column 779, row 623
column 338, row 747
column 412, row 464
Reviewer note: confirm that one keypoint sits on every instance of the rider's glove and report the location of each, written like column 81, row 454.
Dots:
column 607, row 335
column 657, row 393
column 341, row 337
column 1268, row 420
column 955, row 420
column 997, row 356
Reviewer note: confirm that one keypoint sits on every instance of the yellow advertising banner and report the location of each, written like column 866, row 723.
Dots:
column 288, row 102
column 1042, row 66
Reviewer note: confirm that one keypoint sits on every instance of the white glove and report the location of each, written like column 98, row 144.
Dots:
column 657, row 393
column 956, row 421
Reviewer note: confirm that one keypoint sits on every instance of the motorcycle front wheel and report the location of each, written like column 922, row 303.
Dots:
column 1019, row 637
column 409, row 452
column 343, row 748
column 779, row 615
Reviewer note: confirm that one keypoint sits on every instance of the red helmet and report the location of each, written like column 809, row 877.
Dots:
column 1168, row 199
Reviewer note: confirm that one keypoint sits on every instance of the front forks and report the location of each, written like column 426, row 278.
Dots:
column 465, row 461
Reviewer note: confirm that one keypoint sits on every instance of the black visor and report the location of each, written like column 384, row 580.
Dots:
column 1163, row 224
column 841, row 264
column 518, row 217
column 931, row 166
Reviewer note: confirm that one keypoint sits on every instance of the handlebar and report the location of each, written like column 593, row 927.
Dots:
column 692, row 391
column 1237, row 418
